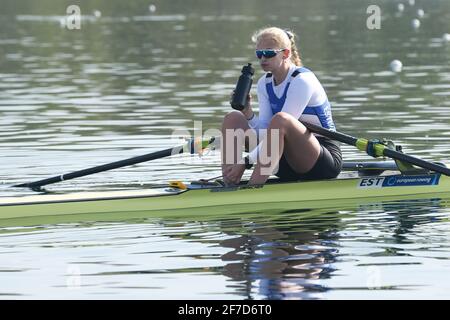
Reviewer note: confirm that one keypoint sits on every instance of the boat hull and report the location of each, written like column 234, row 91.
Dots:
column 108, row 206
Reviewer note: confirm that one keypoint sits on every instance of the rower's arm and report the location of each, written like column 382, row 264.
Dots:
column 261, row 123
column 262, row 120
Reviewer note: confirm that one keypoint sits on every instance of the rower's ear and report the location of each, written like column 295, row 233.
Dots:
column 286, row 53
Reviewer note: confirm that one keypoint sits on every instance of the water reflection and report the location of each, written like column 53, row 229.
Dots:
column 401, row 219
column 281, row 263
column 293, row 258
column 296, row 254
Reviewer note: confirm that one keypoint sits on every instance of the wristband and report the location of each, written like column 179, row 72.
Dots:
column 253, row 115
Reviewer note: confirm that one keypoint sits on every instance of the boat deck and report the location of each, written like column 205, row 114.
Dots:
column 86, row 196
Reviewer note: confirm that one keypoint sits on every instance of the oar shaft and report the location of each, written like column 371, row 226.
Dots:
column 342, row 137
column 100, row 168
column 117, row 164
column 380, row 149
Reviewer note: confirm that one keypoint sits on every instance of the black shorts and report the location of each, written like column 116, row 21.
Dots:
column 328, row 165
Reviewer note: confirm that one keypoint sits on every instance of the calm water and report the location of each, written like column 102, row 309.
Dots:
column 71, row 99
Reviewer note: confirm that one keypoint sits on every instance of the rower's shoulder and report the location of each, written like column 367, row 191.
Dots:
column 301, row 71
column 304, row 75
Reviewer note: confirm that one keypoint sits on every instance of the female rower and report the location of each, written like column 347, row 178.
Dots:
column 287, row 93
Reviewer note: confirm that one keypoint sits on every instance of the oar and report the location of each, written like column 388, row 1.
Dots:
column 191, row 146
column 377, row 149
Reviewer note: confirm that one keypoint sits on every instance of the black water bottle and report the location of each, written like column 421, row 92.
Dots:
column 243, row 87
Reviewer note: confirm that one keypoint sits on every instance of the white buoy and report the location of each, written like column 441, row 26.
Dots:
column 412, row 2
column 401, row 7
column 152, row 8
column 420, row 13
column 97, row 13
column 446, row 37
column 396, row 66
column 415, row 23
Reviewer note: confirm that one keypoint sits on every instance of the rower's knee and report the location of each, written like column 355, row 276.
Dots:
column 234, row 119
column 282, row 121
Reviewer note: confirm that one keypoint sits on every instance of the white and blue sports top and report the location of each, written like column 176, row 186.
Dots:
column 300, row 94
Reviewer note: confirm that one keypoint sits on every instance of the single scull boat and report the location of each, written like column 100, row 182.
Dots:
column 201, row 197
column 380, row 180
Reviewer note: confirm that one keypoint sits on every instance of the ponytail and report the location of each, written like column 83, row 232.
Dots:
column 295, row 56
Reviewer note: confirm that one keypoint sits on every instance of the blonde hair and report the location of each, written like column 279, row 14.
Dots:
column 285, row 39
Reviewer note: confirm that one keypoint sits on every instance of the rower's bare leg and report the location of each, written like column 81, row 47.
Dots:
column 232, row 144
column 298, row 144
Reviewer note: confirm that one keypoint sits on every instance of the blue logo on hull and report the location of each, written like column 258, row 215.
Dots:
column 400, row 181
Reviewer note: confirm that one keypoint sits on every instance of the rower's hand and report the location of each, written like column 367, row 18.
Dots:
column 248, row 102
column 232, row 174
